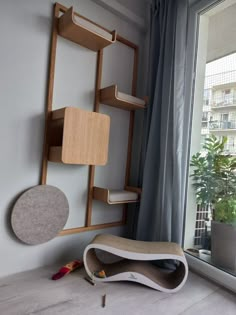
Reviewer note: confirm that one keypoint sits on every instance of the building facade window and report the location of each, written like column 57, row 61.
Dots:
column 219, row 100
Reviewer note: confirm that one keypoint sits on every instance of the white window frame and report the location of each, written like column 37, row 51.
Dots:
column 196, row 9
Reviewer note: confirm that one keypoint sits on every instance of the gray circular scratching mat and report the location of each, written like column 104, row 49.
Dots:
column 39, row 214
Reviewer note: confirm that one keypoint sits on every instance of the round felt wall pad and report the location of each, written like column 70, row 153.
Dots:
column 39, row 214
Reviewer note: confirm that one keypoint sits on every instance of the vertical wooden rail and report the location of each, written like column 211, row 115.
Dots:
column 91, row 167
column 50, row 93
column 131, row 119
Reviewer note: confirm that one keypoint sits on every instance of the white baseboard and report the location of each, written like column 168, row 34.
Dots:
column 211, row 272
column 124, row 13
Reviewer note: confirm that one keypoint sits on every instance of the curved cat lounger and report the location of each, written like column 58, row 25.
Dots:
column 134, row 263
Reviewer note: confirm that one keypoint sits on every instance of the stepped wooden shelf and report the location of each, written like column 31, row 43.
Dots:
column 111, row 96
column 112, row 197
column 77, row 136
column 84, row 32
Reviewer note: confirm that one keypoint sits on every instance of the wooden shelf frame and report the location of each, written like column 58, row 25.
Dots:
column 88, row 226
column 84, row 32
column 111, row 96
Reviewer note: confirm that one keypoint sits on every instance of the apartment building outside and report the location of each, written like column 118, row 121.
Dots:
column 219, row 108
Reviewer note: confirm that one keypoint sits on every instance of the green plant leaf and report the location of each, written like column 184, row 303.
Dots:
column 214, row 178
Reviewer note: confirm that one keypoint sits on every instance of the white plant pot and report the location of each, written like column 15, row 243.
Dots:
column 223, row 245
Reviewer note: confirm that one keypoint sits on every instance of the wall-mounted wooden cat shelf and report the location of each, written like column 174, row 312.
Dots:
column 111, row 96
column 84, row 32
column 114, row 196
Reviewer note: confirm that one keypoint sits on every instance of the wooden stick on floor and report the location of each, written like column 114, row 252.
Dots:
column 104, row 300
column 90, row 281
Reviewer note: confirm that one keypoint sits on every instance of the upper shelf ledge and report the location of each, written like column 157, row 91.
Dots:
column 84, row 32
column 111, row 96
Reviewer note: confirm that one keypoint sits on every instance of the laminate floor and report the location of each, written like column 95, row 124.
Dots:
column 33, row 292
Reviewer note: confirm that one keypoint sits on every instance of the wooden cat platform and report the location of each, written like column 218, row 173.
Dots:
column 136, row 262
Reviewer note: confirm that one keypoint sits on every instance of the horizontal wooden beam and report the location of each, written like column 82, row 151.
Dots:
column 91, row 228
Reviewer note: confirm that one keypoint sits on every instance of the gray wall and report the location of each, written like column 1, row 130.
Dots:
column 25, row 38
column 136, row 6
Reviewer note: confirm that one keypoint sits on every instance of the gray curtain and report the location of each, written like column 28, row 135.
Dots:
column 166, row 142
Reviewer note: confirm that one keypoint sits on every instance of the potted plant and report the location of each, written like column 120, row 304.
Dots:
column 223, row 226
column 214, row 181
column 206, row 182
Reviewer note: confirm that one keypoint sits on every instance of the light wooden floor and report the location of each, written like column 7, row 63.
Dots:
column 33, row 292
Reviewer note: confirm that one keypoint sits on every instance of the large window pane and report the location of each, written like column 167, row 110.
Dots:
column 211, row 205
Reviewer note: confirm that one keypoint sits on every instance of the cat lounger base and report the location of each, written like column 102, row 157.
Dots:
column 135, row 262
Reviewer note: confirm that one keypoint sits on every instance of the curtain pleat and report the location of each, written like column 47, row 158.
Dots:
column 166, row 139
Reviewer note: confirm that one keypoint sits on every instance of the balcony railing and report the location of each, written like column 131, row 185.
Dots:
column 223, row 78
column 223, row 101
column 222, row 125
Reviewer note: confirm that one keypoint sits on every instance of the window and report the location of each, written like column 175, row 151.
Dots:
column 204, row 116
column 214, row 117
column 206, row 97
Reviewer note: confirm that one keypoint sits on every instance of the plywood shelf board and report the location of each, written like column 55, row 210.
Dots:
column 85, row 137
column 91, row 227
column 138, row 190
column 111, row 96
column 58, row 113
column 115, row 196
column 84, row 32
